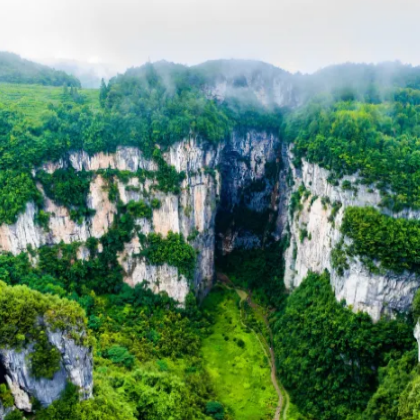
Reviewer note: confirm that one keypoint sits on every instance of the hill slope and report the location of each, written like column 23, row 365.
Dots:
column 14, row 69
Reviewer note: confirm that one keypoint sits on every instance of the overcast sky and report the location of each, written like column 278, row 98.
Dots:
column 292, row 34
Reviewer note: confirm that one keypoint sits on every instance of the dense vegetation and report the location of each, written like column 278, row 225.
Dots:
column 21, row 310
column 149, row 351
column 327, row 355
column 377, row 140
column 16, row 190
column 140, row 109
column 388, row 402
column 14, row 69
column 376, row 237
column 172, row 250
column 236, row 363
column 258, row 270
column 68, row 188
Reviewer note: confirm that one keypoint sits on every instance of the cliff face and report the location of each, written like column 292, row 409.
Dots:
column 417, row 336
column 76, row 366
column 244, row 183
column 249, row 190
column 4, row 411
column 192, row 212
column 363, row 290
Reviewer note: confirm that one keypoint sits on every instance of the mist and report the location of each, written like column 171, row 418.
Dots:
column 297, row 35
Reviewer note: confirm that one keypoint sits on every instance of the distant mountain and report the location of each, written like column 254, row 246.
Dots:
column 89, row 74
column 14, row 69
column 250, row 81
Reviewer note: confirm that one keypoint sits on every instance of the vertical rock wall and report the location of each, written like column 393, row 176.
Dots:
column 363, row 290
column 191, row 213
column 249, row 190
column 76, row 366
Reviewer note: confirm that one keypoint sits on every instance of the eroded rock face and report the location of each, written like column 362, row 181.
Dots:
column 417, row 335
column 76, row 366
column 248, row 184
column 363, row 290
column 191, row 213
column 4, row 411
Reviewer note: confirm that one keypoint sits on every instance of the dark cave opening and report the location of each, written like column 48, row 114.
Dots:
column 3, row 373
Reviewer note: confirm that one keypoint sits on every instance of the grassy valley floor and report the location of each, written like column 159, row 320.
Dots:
column 236, row 362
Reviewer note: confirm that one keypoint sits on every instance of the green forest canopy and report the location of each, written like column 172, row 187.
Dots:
column 327, row 355
column 380, row 141
column 147, row 349
column 14, row 69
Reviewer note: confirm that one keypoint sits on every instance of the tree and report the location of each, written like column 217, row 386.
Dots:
column 215, row 409
column 103, row 93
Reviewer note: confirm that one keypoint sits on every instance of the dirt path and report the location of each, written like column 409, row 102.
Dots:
column 265, row 346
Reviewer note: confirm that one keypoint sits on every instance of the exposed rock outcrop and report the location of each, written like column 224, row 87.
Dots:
column 76, row 366
column 4, row 411
column 192, row 212
column 417, row 336
column 249, row 189
column 250, row 197
column 362, row 289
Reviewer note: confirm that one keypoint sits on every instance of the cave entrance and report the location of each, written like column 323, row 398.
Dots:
column 3, row 373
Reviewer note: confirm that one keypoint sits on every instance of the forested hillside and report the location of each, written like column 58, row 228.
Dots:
column 146, row 347
column 363, row 129
column 14, row 69
column 160, row 357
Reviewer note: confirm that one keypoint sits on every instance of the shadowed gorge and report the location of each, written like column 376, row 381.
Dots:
column 2, row 374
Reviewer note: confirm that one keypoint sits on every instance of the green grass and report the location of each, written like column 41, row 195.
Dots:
column 293, row 413
column 240, row 376
column 33, row 100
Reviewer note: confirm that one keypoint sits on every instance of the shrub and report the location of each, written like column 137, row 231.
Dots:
column 215, row 410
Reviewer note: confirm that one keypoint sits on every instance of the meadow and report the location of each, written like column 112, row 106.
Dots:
column 235, row 360
column 33, row 100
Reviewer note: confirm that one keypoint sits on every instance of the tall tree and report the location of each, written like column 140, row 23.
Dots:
column 103, row 93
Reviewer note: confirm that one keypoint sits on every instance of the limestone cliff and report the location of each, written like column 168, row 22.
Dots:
column 249, row 191
column 76, row 366
column 244, row 182
column 4, row 411
column 44, row 346
column 417, row 336
column 311, row 250
column 192, row 212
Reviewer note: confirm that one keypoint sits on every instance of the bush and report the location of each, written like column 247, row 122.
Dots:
column 139, row 209
column 120, row 356
column 15, row 415
column 172, row 250
column 392, row 242
column 240, row 343
column 6, row 397
column 16, row 189
column 215, row 410
column 45, row 359
column 68, row 188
